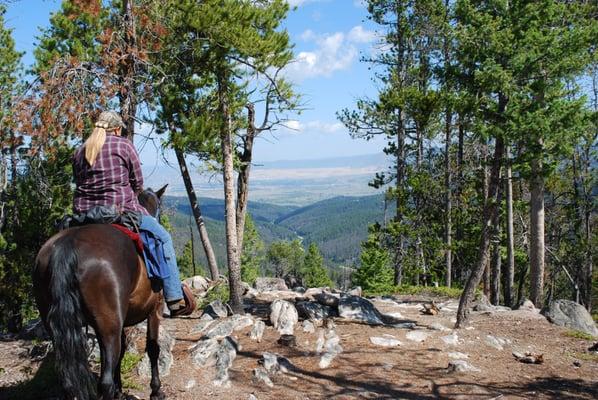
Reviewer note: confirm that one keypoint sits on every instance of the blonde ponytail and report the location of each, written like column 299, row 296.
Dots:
column 94, row 144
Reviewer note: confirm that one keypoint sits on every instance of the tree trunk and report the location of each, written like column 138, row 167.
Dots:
column 232, row 248
column 448, row 201
column 485, row 189
column 458, row 269
column 201, row 226
column 400, row 162
column 490, row 209
column 537, row 233
column 509, row 275
column 495, row 262
column 128, row 101
column 243, row 177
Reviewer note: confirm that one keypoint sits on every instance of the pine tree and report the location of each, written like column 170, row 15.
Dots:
column 313, row 273
column 375, row 273
column 253, row 256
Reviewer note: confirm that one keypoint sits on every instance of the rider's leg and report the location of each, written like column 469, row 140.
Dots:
column 172, row 284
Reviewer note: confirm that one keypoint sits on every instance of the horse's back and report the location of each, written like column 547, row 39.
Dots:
column 107, row 270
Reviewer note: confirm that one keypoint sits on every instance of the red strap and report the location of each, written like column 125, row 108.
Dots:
column 133, row 235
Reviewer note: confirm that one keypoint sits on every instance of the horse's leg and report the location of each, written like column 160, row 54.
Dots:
column 153, row 351
column 110, row 348
column 117, row 378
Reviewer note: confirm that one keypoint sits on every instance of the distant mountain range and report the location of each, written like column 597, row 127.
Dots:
column 285, row 182
column 337, row 225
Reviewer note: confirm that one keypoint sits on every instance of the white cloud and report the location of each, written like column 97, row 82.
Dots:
column 315, row 127
column 359, row 3
column 297, row 3
column 359, row 35
column 308, row 35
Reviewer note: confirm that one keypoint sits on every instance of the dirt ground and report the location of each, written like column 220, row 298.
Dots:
column 413, row 370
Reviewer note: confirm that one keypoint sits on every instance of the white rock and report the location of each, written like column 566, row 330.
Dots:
column 190, row 384
column 385, row 341
column 252, row 397
column 496, row 342
column 257, row 331
column 308, row 326
column 261, row 374
column 417, row 336
column 437, row 326
column 283, row 316
column 458, row 355
column 166, row 342
column 225, row 356
column 451, row 340
column 203, row 353
column 332, row 348
column 242, row 321
column 461, row 366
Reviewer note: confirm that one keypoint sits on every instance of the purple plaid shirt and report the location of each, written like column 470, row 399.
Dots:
column 115, row 178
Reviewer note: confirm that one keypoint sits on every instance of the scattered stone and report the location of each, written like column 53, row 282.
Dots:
column 204, row 322
column 529, row 357
column 311, row 292
column 527, row 305
column 268, row 284
column 571, row 315
column 577, row 364
column 261, row 375
column 190, row 384
column 273, row 295
column 385, row 341
column 216, row 310
column 594, row 347
column 242, row 321
column 327, row 299
column 197, row 283
column 461, row 366
column 417, row 336
column 166, row 342
column 283, row 316
column 430, row 309
column 225, row 355
column 320, row 342
column 219, row 329
column 458, row 355
column 437, row 326
column 331, row 348
column 287, row 340
column 299, row 289
column 452, row 340
column 393, row 315
column 359, row 309
column 356, row 291
column 387, row 366
column 308, row 326
column 257, row 331
column 202, row 354
column 314, row 311
column 404, row 325
column 496, row 342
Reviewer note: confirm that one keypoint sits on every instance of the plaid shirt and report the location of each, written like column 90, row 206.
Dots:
column 114, row 179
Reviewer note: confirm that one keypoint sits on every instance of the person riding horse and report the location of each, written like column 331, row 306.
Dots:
column 108, row 173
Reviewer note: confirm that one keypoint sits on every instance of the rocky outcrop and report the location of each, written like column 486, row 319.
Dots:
column 283, row 316
column 269, row 284
column 571, row 315
column 358, row 309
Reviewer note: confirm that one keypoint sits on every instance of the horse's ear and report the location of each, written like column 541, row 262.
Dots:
column 161, row 191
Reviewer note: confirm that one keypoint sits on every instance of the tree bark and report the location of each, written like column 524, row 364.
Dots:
column 490, row 209
column 448, row 201
column 485, row 189
column 400, row 162
column 201, row 226
column 243, row 177
column 495, row 262
column 537, row 233
column 232, row 248
column 458, row 268
column 509, row 275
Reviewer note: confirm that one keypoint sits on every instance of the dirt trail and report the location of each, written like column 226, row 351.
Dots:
column 413, row 370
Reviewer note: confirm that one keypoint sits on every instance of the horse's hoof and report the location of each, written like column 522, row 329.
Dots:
column 158, row 396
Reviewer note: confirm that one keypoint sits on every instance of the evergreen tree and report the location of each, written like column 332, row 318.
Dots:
column 375, row 273
column 313, row 273
column 253, row 256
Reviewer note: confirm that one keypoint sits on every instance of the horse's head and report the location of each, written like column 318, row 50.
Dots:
column 152, row 200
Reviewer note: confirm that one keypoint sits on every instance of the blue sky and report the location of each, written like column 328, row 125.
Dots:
column 330, row 36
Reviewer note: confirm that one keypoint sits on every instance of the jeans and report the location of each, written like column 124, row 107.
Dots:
column 172, row 284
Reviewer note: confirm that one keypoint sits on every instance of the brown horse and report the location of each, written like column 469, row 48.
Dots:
column 92, row 275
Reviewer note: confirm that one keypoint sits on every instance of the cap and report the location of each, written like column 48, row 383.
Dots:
column 109, row 120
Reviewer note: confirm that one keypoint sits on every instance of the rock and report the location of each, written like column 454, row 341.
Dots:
column 356, row 291
column 219, row 329
column 331, row 348
column 529, row 357
column 496, row 342
column 311, row 292
column 327, row 299
column 430, row 309
column 393, row 316
column 190, row 384
column 202, row 354
column 197, row 283
column 359, row 309
column 437, row 326
column 299, row 289
column 314, row 311
column 204, row 322
column 272, row 295
column 283, row 316
column 571, row 315
column 39, row 351
column 166, row 342
column 308, row 326
column 417, row 336
column 458, row 355
column 242, row 321
column 385, row 341
column 269, row 284
column 225, row 355
column 461, row 366
column 216, row 310
column 34, row 330
column 257, row 331
column 451, row 340
column 287, row 340
column 527, row 305
column 261, row 375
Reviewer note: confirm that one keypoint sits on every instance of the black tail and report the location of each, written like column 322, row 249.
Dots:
column 65, row 320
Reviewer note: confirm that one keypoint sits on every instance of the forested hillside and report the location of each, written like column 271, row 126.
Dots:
column 337, row 225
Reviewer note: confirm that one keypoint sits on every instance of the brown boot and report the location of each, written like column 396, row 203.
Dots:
column 184, row 306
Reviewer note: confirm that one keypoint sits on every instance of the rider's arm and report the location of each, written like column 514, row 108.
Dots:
column 135, row 175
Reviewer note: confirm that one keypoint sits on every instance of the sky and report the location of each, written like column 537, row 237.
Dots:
column 329, row 36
